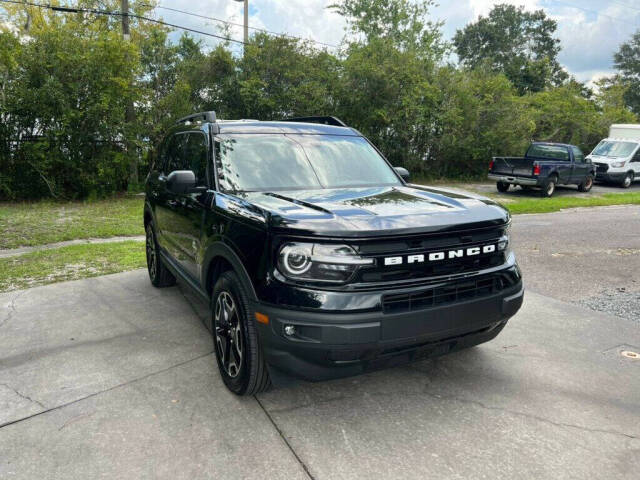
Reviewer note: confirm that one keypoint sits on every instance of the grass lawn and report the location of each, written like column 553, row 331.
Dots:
column 554, row 204
column 70, row 263
column 38, row 223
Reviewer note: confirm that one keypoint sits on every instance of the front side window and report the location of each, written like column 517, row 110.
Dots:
column 578, row 155
column 173, row 154
column 609, row 148
column 195, row 156
column 254, row 162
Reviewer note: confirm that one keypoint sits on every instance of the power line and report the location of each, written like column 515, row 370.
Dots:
column 593, row 11
column 93, row 11
column 193, row 14
column 624, row 5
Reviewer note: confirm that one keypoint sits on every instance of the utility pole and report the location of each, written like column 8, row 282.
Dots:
column 130, row 113
column 125, row 20
column 246, row 20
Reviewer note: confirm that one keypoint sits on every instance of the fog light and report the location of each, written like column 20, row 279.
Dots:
column 289, row 330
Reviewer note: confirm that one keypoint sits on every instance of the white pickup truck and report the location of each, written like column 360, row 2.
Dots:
column 617, row 157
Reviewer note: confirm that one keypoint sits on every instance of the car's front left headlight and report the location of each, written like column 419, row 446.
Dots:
column 618, row 164
column 319, row 262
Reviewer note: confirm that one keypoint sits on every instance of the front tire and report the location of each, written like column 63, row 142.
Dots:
column 159, row 275
column 502, row 186
column 238, row 351
column 627, row 181
column 586, row 185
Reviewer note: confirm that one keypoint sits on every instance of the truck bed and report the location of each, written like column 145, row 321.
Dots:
column 512, row 166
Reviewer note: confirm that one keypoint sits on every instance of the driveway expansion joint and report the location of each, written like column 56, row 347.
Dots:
column 95, row 394
column 284, row 439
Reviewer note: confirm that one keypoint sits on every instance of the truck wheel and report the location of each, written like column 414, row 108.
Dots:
column 502, row 186
column 238, row 351
column 159, row 275
column 549, row 187
column 628, row 180
column 586, row 185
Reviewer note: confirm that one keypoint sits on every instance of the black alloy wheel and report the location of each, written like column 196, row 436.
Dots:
column 235, row 334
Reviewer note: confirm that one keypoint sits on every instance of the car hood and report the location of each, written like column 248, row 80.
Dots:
column 369, row 211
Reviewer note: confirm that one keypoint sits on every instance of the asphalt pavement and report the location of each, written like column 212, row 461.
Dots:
column 111, row 377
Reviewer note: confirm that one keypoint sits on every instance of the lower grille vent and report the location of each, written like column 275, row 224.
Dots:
column 451, row 293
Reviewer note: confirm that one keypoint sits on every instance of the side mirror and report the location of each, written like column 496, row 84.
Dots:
column 181, row 181
column 403, row 172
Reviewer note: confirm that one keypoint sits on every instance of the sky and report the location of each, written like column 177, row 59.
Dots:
column 590, row 30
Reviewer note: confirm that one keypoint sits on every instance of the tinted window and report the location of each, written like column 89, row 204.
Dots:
column 279, row 161
column 342, row 161
column 553, row 152
column 195, row 156
column 173, row 154
column 578, row 155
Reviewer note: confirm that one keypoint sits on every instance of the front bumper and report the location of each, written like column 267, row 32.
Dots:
column 613, row 177
column 514, row 180
column 331, row 345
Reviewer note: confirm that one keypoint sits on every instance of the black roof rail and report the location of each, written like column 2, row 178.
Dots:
column 323, row 120
column 203, row 116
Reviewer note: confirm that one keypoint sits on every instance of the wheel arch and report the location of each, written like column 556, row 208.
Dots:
column 220, row 258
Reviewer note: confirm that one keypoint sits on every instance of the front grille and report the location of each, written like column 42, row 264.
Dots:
column 443, row 268
column 445, row 294
column 601, row 167
column 423, row 245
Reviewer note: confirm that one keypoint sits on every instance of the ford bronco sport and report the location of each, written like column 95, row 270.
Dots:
column 317, row 258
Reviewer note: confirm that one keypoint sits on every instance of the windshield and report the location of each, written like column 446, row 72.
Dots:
column 253, row 162
column 607, row 148
column 554, row 152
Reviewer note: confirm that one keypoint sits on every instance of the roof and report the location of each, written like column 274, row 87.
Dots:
column 556, row 144
column 255, row 126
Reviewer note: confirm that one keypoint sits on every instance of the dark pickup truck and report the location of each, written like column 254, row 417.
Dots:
column 544, row 166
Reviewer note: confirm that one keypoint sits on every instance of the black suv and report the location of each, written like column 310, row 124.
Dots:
column 319, row 259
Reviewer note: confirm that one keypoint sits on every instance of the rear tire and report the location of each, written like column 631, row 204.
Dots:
column 238, row 350
column 159, row 275
column 586, row 185
column 549, row 187
column 628, row 180
column 502, row 186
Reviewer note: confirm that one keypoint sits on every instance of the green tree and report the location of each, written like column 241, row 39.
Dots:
column 402, row 22
column 516, row 42
column 66, row 101
column 281, row 77
column 480, row 115
column 627, row 61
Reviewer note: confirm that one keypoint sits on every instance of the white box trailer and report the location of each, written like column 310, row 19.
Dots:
column 617, row 158
column 625, row 131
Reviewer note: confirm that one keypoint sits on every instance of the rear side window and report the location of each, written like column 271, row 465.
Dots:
column 578, row 155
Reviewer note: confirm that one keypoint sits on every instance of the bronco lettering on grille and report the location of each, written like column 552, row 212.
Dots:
column 437, row 256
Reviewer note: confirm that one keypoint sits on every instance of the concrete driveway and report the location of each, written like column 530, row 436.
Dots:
column 111, row 377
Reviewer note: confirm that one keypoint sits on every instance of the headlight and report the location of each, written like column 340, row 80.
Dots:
column 504, row 243
column 319, row 262
column 617, row 164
